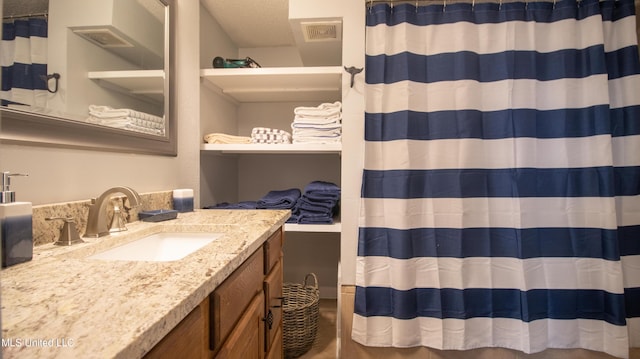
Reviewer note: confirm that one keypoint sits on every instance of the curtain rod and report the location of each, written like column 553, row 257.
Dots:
column 13, row 17
column 394, row 2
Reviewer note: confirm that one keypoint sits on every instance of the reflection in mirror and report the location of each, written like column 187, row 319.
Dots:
column 90, row 66
column 64, row 58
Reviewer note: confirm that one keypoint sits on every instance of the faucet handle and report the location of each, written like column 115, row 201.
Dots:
column 69, row 234
column 118, row 222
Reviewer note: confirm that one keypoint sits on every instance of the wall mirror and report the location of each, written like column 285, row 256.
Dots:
column 95, row 74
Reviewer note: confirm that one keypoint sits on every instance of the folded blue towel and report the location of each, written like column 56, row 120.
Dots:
column 322, row 187
column 238, row 205
column 322, row 196
column 284, row 199
column 304, row 219
column 317, row 204
column 312, row 206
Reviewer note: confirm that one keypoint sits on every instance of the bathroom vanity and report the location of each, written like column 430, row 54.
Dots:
column 242, row 318
column 221, row 301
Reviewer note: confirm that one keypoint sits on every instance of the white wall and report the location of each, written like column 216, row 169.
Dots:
column 218, row 174
column 353, row 25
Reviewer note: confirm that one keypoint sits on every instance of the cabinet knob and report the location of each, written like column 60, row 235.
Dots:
column 269, row 319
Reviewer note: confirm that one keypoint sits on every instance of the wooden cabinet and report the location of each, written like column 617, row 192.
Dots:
column 230, row 300
column 189, row 339
column 273, row 291
column 246, row 340
column 277, row 350
column 241, row 319
column 246, row 309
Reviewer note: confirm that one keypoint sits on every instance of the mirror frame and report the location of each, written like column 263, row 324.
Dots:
column 20, row 127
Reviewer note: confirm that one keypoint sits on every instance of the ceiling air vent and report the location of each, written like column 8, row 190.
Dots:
column 322, row 31
column 103, row 37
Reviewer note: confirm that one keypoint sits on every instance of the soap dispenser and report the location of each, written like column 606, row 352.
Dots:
column 16, row 225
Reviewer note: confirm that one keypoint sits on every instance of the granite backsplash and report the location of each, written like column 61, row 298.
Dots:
column 48, row 231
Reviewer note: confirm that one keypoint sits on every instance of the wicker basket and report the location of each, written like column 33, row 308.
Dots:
column 300, row 316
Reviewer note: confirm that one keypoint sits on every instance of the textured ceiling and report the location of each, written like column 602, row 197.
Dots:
column 253, row 23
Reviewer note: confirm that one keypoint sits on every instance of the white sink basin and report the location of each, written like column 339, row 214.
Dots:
column 159, row 247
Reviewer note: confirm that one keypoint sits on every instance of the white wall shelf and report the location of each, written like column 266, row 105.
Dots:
column 277, row 84
column 274, row 148
column 148, row 83
column 336, row 227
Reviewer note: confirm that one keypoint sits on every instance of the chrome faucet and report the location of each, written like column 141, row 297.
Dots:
column 97, row 224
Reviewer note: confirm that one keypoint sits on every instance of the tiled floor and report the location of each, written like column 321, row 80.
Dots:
column 324, row 347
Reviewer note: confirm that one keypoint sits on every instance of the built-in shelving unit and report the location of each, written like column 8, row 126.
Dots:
column 234, row 101
column 277, row 84
column 149, row 83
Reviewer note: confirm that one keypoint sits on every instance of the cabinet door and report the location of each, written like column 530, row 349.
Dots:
column 230, row 300
column 273, row 302
column 188, row 339
column 246, row 341
column 277, row 350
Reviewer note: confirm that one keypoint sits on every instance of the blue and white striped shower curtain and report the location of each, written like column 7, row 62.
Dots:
column 501, row 188
column 23, row 56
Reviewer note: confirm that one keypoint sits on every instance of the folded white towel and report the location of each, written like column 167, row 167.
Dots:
column 324, row 126
column 318, row 140
column 109, row 112
column 113, row 122
column 223, row 138
column 126, row 124
column 145, row 123
column 116, row 121
column 337, row 118
column 270, row 136
column 324, row 109
column 310, row 132
column 132, row 127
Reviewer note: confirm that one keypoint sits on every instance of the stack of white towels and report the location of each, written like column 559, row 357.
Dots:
column 321, row 124
column 126, row 119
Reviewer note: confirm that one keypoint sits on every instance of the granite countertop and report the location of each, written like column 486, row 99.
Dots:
column 63, row 305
